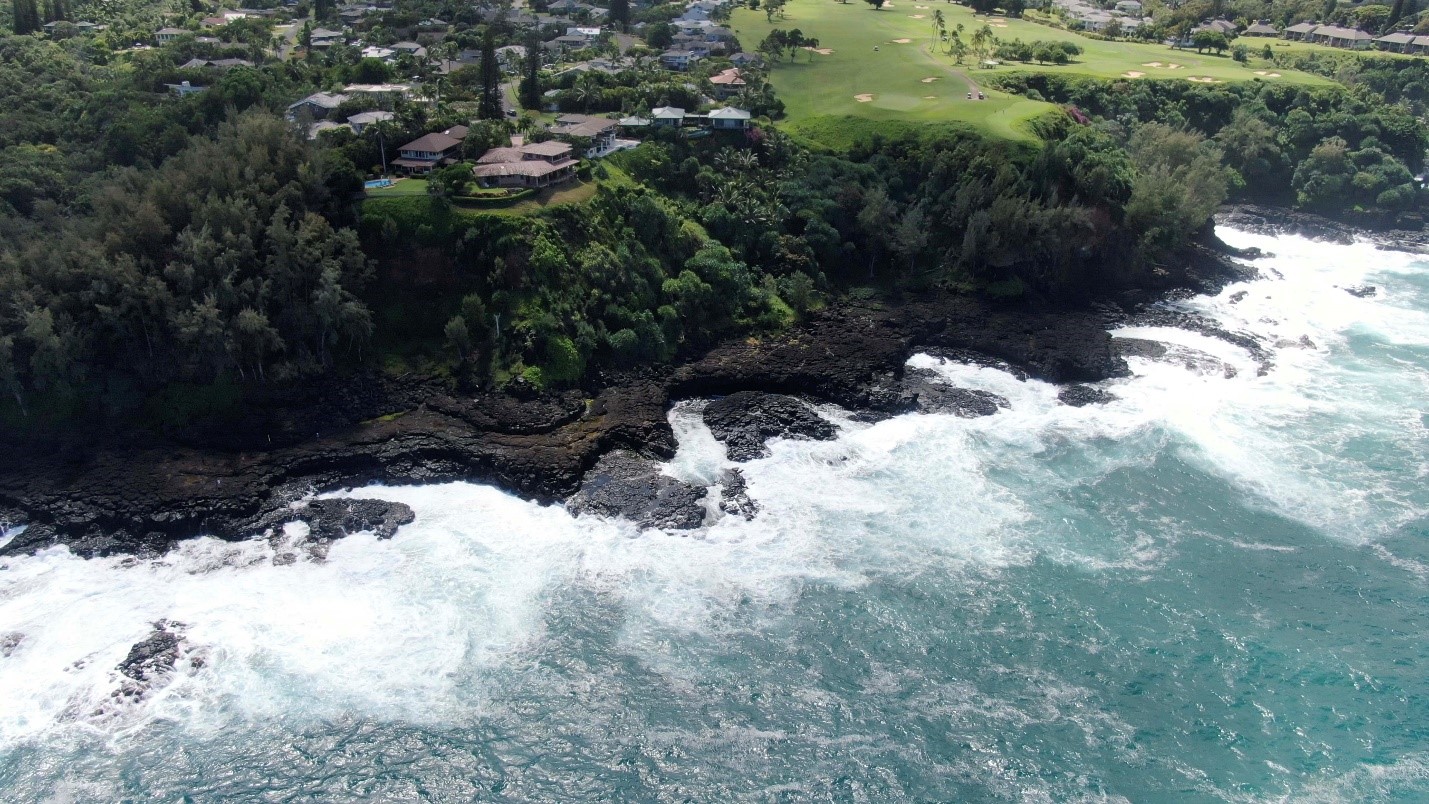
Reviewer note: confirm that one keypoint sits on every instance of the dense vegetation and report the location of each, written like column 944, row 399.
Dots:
column 1323, row 149
column 153, row 242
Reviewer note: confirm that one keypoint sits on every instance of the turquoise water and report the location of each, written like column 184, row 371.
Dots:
column 1211, row 589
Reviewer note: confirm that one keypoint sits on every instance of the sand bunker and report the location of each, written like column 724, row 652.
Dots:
column 1267, row 74
column 1132, row 74
column 917, row 16
column 924, row 8
column 864, row 98
column 999, row 25
column 1201, row 79
column 930, row 97
column 997, row 19
column 1152, row 64
column 930, row 79
column 822, row 51
column 900, row 41
column 1173, row 66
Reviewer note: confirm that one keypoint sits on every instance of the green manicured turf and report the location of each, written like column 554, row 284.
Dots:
column 828, row 85
column 399, row 188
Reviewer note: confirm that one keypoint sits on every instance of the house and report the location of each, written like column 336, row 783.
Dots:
column 217, row 64
column 678, row 59
column 599, row 131
column 729, row 119
column 667, row 117
column 322, row 37
column 380, row 53
column 427, row 153
column 728, row 83
column 389, row 91
column 316, row 105
column 566, row 43
column 539, row 164
column 458, row 132
column 361, row 121
column 184, row 89
column 411, row 49
column 1261, row 28
column 510, row 57
column 1300, row 32
column 167, row 35
column 743, row 59
column 1132, row 7
column 1225, row 27
column 588, row 34
column 1397, row 42
column 1337, row 36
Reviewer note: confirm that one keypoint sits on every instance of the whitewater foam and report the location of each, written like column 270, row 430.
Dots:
column 492, row 609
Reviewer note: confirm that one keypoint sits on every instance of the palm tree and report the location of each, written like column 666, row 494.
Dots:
column 940, row 24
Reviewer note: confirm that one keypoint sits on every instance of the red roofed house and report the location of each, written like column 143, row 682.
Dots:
column 540, row 164
column 728, row 83
column 427, row 153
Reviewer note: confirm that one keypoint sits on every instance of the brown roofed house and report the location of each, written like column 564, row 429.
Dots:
column 427, row 153
column 539, row 164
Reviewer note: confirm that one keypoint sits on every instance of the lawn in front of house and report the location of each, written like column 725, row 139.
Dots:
column 399, row 187
column 909, row 78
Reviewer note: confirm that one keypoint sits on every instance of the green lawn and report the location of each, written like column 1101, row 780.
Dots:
column 891, row 84
column 399, row 188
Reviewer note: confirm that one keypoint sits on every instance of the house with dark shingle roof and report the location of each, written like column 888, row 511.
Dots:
column 427, row 153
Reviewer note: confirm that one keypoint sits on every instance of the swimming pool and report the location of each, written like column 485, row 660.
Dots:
column 376, row 183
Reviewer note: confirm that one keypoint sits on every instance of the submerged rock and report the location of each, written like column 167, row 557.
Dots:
column 155, row 655
column 746, row 420
column 1362, row 291
column 329, row 520
column 734, row 496
column 626, row 485
column 9, row 642
column 1191, row 359
column 1081, row 395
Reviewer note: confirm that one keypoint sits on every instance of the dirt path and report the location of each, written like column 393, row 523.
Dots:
column 937, row 57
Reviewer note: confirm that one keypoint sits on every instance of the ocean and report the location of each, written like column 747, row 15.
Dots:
column 1213, row 588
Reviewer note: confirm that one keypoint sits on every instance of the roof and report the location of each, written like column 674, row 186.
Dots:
column 365, row 118
column 729, row 113
column 172, row 32
column 499, row 155
column 1337, row 32
column 1397, row 38
column 549, row 148
column 1304, row 27
column 432, row 143
column 730, row 77
column 326, row 100
column 585, row 128
column 667, row 113
column 529, row 167
column 458, row 132
column 1262, row 28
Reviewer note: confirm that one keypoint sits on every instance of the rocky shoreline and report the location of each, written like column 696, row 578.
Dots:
column 595, row 449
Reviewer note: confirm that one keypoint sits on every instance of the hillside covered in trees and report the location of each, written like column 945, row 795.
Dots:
column 154, row 242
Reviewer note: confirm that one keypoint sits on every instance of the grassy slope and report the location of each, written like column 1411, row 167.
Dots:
column 826, row 86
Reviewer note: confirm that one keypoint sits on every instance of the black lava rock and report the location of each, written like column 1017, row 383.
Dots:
column 626, row 485
column 734, row 496
column 1080, row 395
column 745, row 421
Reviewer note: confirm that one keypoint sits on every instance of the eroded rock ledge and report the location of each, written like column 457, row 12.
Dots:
column 131, row 493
